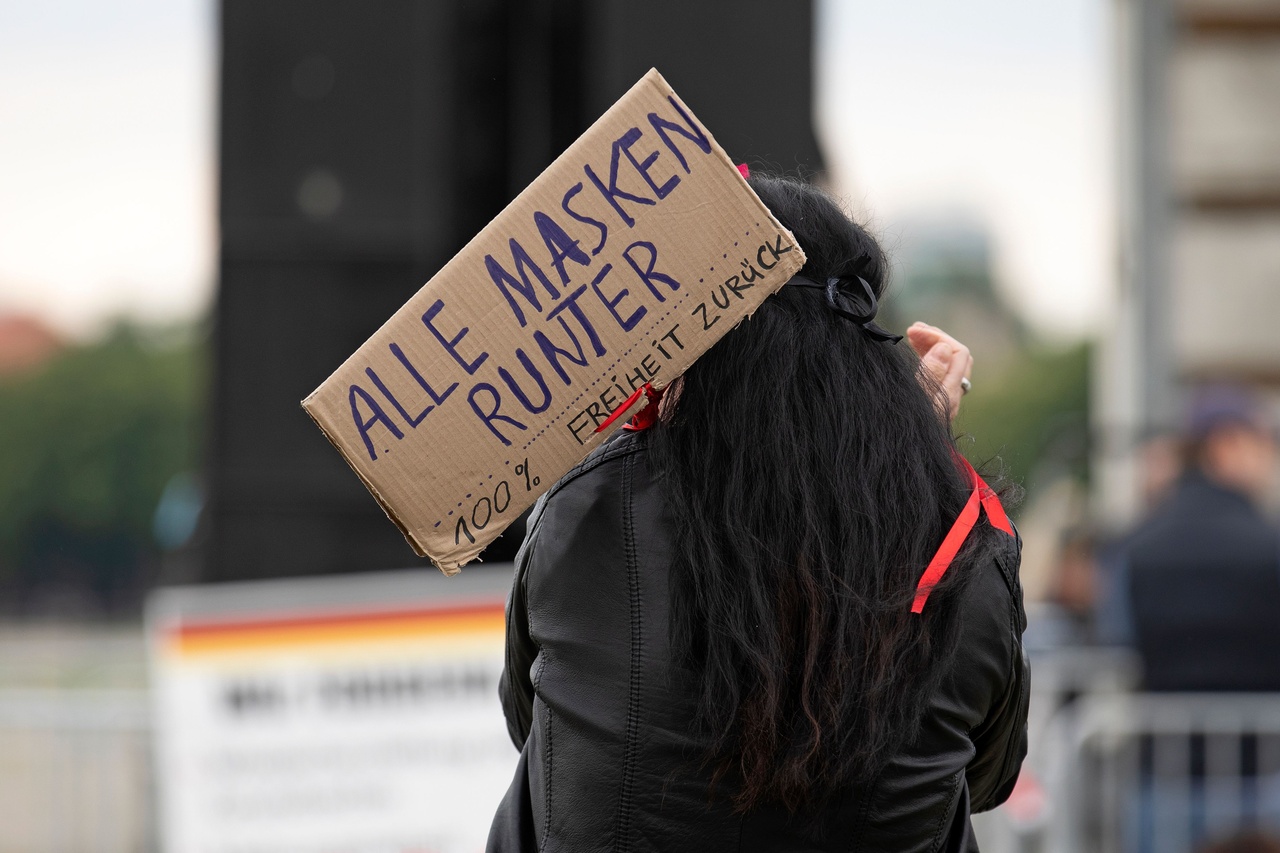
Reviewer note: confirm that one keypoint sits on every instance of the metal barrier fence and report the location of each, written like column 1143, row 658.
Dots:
column 1160, row 773
column 75, row 772
column 1109, row 770
column 1059, row 679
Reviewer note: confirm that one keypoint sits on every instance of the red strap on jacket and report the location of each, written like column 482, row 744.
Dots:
column 982, row 497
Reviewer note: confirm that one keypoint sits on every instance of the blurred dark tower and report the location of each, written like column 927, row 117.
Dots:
column 358, row 152
column 744, row 67
column 361, row 145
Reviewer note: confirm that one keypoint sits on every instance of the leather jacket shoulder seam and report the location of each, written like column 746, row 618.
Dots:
column 1008, row 572
column 1018, row 671
column 622, row 837
column 942, row 818
column 1007, row 563
column 624, row 446
column 546, row 755
column 513, row 686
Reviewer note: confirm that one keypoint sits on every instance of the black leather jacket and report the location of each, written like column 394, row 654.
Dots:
column 602, row 713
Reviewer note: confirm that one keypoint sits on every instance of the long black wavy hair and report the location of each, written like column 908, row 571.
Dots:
column 811, row 478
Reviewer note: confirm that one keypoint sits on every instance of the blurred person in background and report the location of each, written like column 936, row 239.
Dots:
column 1200, row 578
column 1073, row 589
column 1160, row 466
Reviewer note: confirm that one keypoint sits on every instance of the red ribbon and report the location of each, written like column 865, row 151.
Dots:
column 648, row 416
column 982, row 497
column 645, row 418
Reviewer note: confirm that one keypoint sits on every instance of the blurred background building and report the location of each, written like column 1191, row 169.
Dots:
column 204, row 207
column 1199, row 229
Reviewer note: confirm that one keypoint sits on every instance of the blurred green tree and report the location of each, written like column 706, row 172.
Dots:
column 1032, row 412
column 88, row 443
column 1030, row 405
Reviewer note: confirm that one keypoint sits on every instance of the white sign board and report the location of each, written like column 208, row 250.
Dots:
column 353, row 714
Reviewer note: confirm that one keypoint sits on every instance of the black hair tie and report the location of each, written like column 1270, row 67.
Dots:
column 838, row 298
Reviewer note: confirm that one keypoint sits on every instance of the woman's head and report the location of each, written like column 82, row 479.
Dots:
column 833, row 244
column 810, row 478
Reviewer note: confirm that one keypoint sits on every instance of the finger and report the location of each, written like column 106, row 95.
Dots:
column 944, row 359
column 938, row 361
column 922, row 337
column 961, row 362
column 960, row 366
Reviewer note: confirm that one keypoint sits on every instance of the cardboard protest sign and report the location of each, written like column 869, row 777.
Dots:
column 633, row 253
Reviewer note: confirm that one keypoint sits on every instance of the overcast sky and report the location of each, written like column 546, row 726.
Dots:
column 994, row 110
column 106, row 158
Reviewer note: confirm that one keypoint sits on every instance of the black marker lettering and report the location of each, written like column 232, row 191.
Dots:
column 596, row 413
column 636, row 379
column 760, row 257
column 576, row 429
column 608, row 400
column 737, row 288
column 715, row 297
column 706, row 323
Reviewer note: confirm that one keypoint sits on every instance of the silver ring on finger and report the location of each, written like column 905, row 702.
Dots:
column 965, row 385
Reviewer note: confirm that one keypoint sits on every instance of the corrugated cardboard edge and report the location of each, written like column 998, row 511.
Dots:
column 651, row 78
